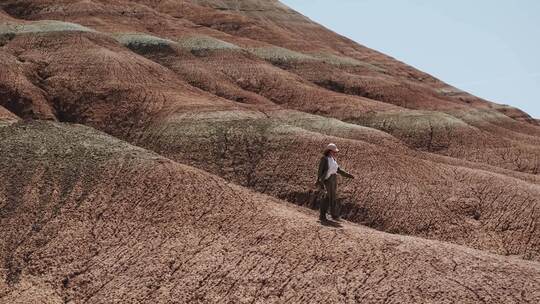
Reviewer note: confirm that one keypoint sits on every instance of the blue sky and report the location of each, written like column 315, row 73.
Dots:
column 488, row 48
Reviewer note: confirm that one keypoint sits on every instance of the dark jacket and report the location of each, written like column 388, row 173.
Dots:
column 323, row 169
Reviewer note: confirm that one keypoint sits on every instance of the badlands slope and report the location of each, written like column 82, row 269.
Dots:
column 150, row 151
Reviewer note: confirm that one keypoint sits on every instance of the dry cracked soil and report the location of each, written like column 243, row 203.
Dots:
column 165, row 152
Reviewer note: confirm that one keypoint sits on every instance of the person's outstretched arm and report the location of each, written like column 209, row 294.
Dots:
column 344, row 173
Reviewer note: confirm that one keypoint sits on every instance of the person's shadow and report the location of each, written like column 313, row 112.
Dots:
column 330, row 223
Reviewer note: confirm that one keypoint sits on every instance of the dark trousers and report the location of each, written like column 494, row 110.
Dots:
column 330, row 201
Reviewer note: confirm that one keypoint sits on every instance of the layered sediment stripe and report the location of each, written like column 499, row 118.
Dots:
column 429, row 130
column 135, row 40
column 42, row 26
column 449, row 91
column 142, row 41
column 273, row 54
column 345, row 61
column 277, row 54
column 282, row 120
column 480, row 117
column 412, row 120
column 141, row 38
column 192, row 43
column 199, row 43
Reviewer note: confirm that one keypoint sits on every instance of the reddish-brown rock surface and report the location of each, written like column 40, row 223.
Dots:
column 214, row 114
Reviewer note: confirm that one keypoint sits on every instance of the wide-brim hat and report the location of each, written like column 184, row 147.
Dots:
column 331, row 147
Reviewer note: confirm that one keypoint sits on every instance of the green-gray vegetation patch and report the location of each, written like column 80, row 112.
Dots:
column 52, row 142
column 475, row 116
column 143, row 42
column 279, row 54
column 413, row 121
column 67, row 155
column 344, row 61
column 203, row 43
column 328, row 126
column 275, row 123
column 42, row 26
column 449, row 91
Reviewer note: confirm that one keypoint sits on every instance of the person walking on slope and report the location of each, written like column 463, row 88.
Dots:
column 327, row 178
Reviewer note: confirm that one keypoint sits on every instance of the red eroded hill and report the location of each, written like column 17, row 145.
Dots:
column 89, row 218
column 215, row 114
